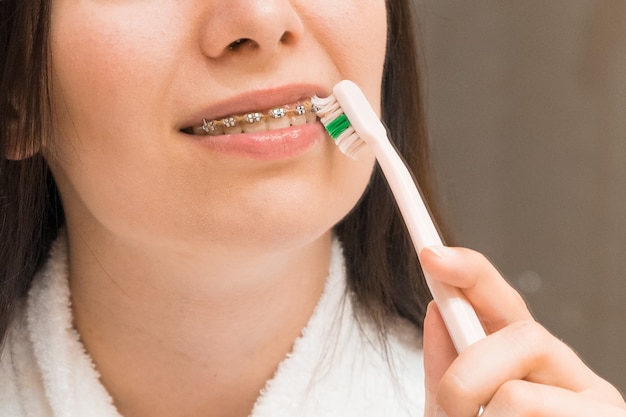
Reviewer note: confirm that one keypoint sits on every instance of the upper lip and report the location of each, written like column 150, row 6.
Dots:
column 253, row 101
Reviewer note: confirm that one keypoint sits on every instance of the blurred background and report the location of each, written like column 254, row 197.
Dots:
column 527, row 109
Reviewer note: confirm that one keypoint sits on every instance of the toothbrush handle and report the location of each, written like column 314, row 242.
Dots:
column 458, row 314
column 460, row 318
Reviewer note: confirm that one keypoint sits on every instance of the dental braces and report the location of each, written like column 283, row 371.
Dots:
column 300, row 109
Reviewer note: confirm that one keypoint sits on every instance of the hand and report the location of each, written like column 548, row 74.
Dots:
column 519, row 369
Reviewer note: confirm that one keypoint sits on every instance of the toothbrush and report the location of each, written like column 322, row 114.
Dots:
column 352, row 123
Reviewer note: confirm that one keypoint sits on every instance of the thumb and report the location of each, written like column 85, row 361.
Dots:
column 439, row 353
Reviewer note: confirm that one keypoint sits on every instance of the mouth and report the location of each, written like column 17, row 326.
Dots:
column 293, row 114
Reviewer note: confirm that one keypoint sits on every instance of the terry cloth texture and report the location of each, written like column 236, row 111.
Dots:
column 337, row 367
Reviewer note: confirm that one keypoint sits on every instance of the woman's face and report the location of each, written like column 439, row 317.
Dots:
column 132, row 78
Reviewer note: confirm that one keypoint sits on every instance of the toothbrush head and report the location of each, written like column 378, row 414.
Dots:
column 338, row 125
column 349, row 119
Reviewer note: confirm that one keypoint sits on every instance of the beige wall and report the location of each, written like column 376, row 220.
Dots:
column 527, row 106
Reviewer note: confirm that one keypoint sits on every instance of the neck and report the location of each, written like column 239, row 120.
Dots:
column 175, row 332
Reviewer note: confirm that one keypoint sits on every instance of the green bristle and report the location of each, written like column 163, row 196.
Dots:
column 338, row 126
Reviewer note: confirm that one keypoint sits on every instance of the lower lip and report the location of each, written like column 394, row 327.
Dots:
column 271, row 145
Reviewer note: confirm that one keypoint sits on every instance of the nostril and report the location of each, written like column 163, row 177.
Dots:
column 233, row 46
column 286, row 38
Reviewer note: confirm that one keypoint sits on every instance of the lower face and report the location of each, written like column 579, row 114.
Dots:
column 132, row 81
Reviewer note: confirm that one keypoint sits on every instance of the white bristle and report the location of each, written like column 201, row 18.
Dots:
column 329, row 109
column 349, row 143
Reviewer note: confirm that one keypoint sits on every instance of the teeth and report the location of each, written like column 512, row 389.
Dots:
column 277, row 118
column 233, row 129
column 298, row 120
column 279, row 123
column 310, row 116
column 256, row 126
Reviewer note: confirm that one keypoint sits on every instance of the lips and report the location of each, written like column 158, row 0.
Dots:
column 293, row 114
column 264, row 125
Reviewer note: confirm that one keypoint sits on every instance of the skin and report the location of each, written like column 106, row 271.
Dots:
column 519, row 369
column 182, row 259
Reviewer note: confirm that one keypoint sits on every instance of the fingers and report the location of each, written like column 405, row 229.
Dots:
column 519, row 369
column 495, row 301
column 439, row 353
column 522, row 398
column 523, row 351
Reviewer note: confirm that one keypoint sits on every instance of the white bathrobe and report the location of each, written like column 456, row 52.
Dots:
column 336, row 368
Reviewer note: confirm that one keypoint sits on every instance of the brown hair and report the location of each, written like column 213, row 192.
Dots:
column 383, row 270
column 29, row 205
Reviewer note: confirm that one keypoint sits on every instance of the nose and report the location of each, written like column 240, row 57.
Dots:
column 257, row 27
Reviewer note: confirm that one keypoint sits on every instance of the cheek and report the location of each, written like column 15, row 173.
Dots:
column 107, row 71
column 106, row 118
column 108, row 61
column 354, row 35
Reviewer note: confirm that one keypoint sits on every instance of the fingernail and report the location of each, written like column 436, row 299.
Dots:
column 441, row 251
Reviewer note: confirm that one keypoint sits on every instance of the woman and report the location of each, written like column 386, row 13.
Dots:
column 198, row 261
